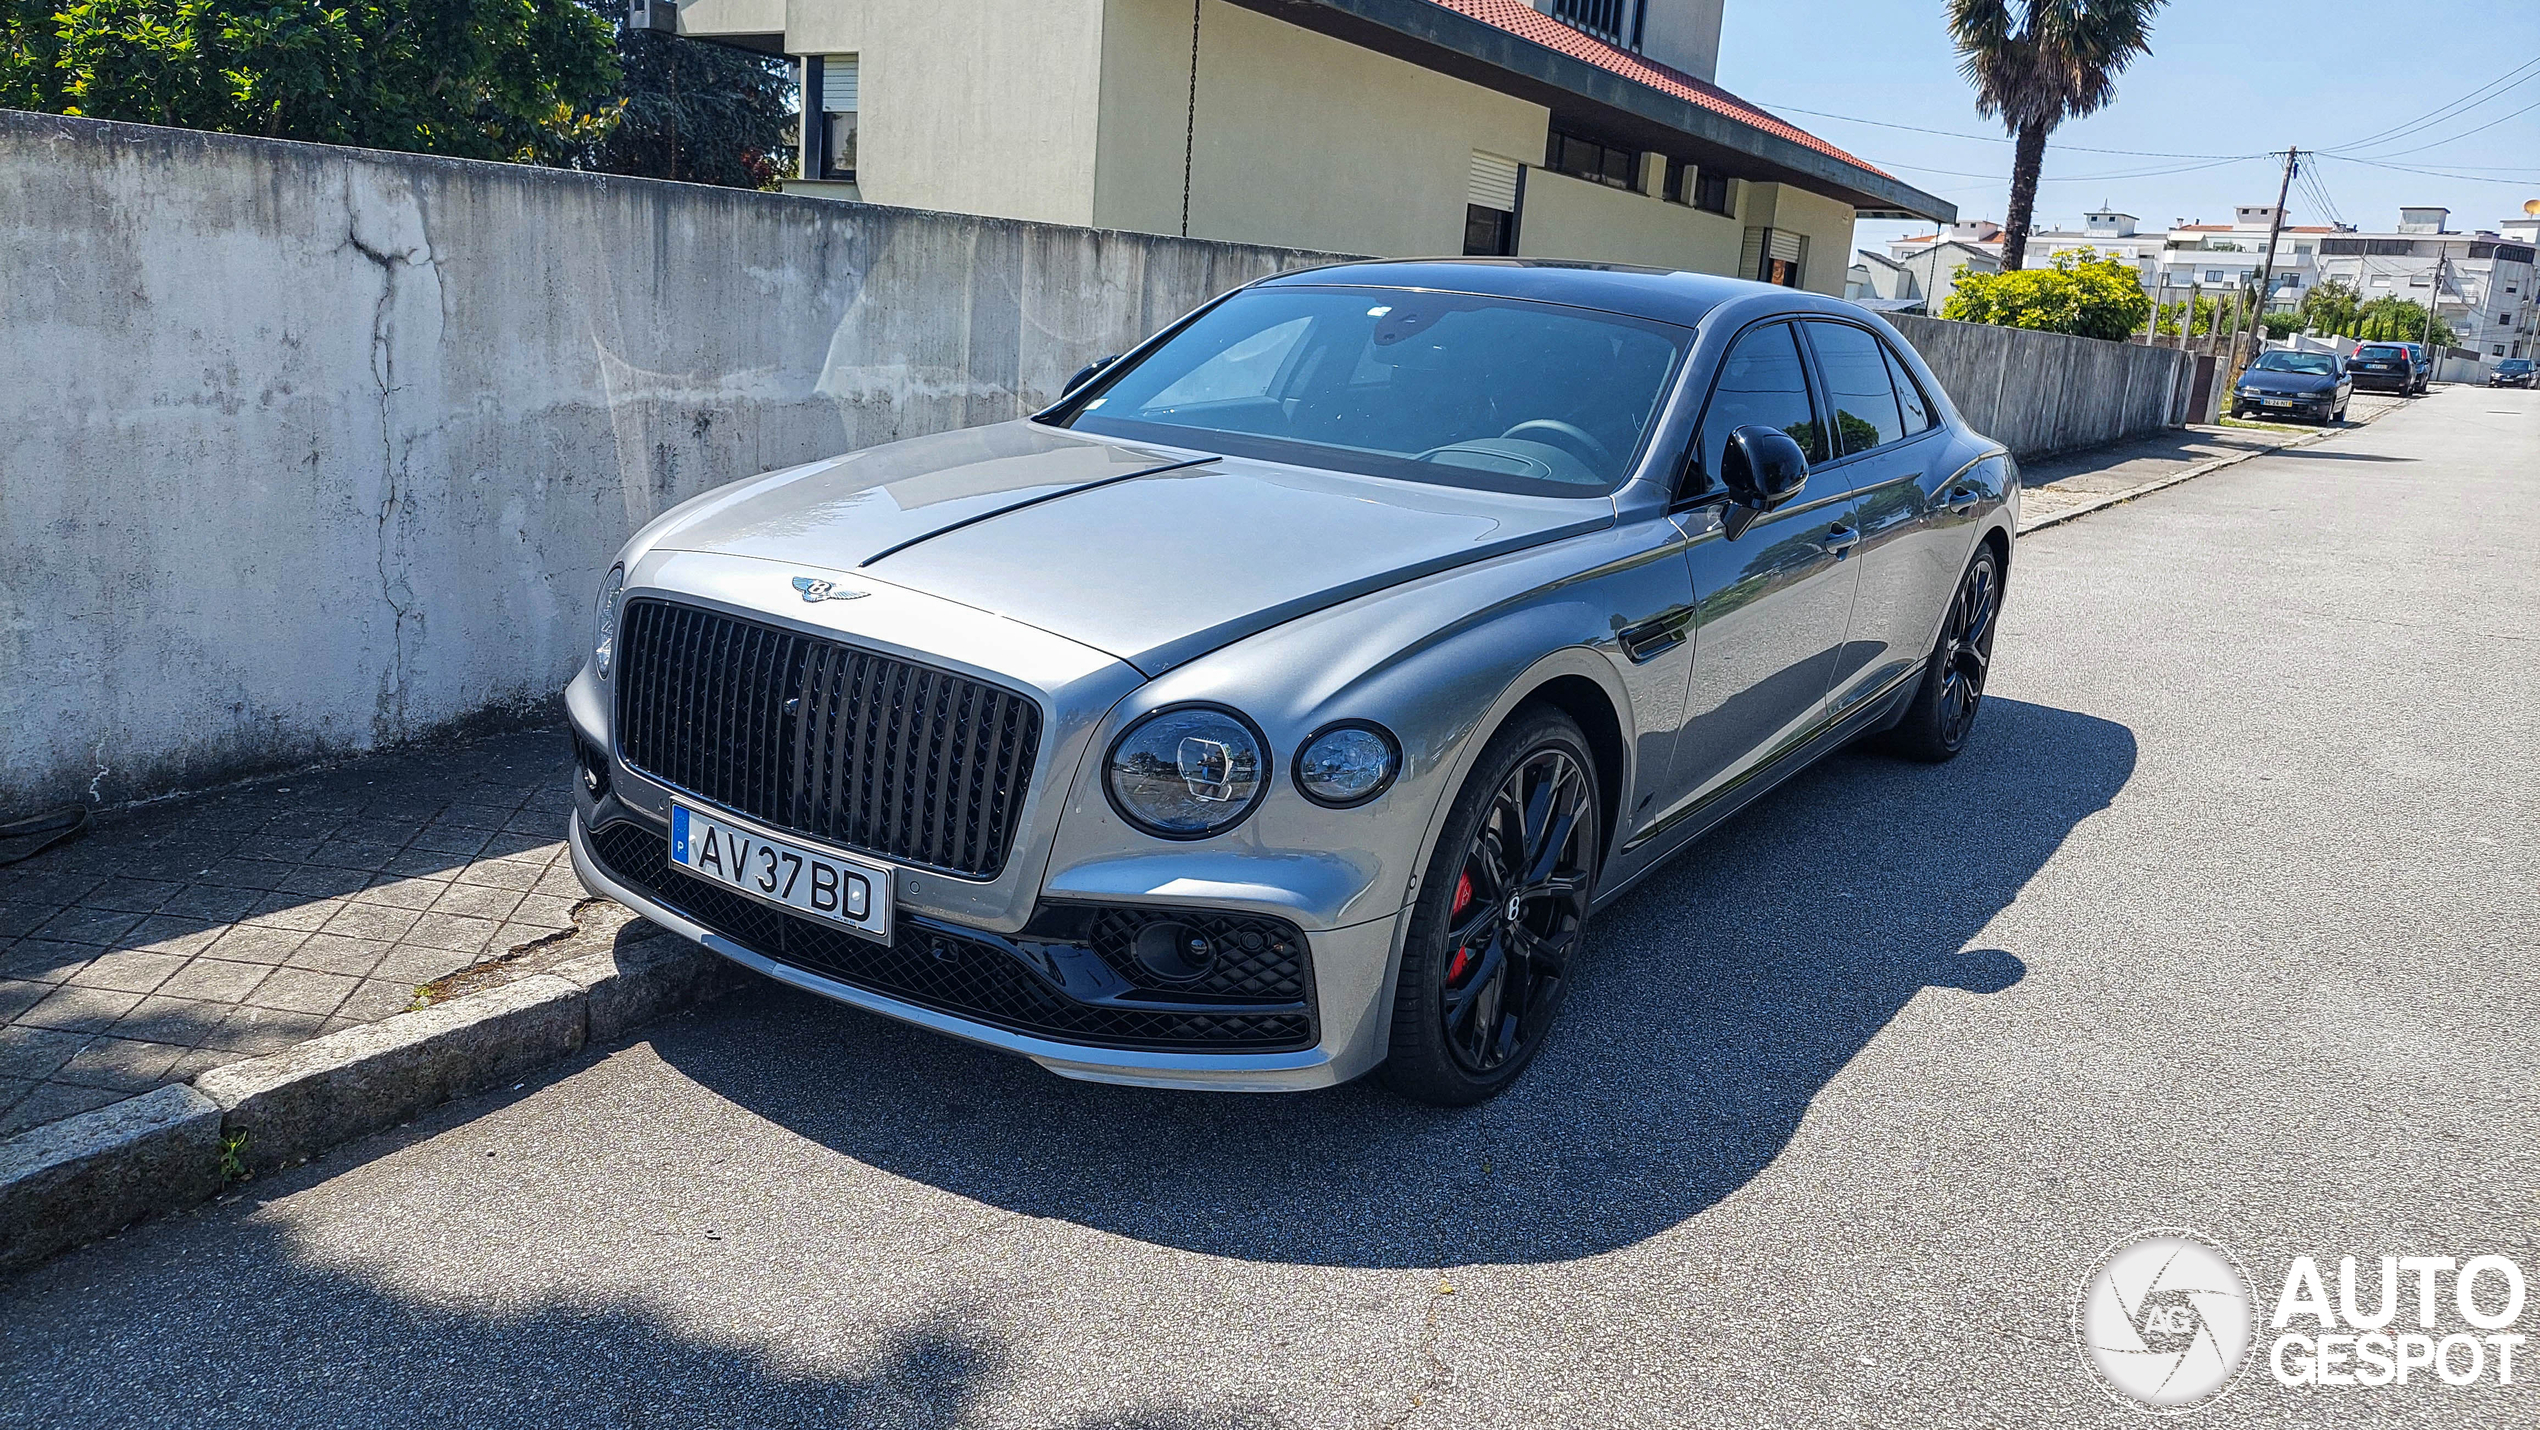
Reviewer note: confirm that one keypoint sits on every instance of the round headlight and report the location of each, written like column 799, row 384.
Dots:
column 1187, row 771
column 1347, row 765
column 604, row 619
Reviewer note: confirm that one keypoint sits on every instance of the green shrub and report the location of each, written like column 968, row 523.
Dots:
column 2080, row 293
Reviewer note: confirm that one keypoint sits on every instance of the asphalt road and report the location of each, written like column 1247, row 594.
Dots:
column 2227, row 921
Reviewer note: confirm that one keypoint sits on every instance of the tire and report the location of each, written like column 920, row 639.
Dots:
column 1478, row 989
column 1943, row 711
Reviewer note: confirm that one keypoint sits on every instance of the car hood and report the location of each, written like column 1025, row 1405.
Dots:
column 2286, row 382
column 1154, row 555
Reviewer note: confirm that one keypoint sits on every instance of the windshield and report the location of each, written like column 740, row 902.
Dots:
column 1494, row 393
column 2514, row 365
column 2320, row 364
column 2381, row 350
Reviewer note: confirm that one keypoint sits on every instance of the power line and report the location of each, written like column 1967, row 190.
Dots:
column 2464, row 134
column 2472, row 99
column 2431, row 173
column 1996, row 138
column 2084, row 178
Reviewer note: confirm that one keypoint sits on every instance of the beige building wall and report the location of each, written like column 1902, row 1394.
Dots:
column 1572, row 218
column 966, row 108
column 1296, row 138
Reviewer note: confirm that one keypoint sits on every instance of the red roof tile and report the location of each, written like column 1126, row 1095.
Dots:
column 1526, row 22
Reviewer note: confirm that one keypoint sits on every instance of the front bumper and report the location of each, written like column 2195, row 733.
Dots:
column 1349, row 1041
column 2295, row 404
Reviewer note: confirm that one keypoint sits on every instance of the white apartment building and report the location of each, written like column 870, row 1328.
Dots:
column 2214, row 259
column 1580, row 129
column 2478, row 283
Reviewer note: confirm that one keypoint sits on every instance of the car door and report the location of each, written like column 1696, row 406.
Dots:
column 1771, row 603
column 1912, row 533
column 1880, row 457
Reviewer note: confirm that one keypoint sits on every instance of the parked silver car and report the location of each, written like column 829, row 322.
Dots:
column 1280, row 704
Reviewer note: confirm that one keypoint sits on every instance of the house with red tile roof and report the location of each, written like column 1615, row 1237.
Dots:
column 1594, row 130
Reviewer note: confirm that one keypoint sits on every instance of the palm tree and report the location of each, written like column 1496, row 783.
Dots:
column 2054, row 60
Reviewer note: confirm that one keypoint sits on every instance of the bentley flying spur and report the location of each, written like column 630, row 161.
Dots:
column 1282, row 703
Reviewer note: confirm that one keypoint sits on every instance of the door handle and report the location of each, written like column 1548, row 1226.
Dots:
column 1961, row 500
column 1656, row 636
column 1840, row 539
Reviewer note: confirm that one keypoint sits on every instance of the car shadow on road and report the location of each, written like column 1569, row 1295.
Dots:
column 1718, row 1000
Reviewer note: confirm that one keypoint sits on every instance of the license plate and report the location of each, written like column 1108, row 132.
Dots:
column 853, row 893
column 2277, row 401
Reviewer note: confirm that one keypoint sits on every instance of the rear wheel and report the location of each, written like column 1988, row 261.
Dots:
column 1502, row 917
column 1943, row 712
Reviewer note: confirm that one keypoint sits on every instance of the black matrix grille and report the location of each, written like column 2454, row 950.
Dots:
column 940, row 967
column 842, row 745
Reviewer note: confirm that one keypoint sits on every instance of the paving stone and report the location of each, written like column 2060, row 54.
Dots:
column 53, row 1101
column 561, row 882
column 545, row 911
column 337, row 953
column 130, row 971
column 452, row 931
column 481, row 901
column 512, row 874
column 375, row 999
column 303, row 990
column 351, row 854
column 257, row 1031
column 44, row 961
column 19, row 920
column 19, row 994
column 294, row 911
column 86, row 925
column 160, row 933
column 257, row 943
column 216, row 979
column 239, row 873
column 428, row 863
column 485, row 817
column 402, row 892
column 322, row 882
column 119, row 1063
column 33, row 1053
column 79, row 1010
column 194, row 1062
column 165, row 1018
column 24, row 884
column 449, row 839
column 502, row 845
column 208, row 901
column 131, row 895
column 410, row 964
column 378, row 923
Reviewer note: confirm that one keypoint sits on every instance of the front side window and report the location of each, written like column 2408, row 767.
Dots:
column 1864, row 397
column 1500, row 394
column 1762, row 382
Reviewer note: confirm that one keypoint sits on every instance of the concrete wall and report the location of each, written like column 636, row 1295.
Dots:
column 2045, row 392
column 304, row 450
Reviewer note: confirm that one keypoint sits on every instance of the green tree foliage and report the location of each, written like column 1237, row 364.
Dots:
column 2283, row 325
column 2080, row 293
column 2330, row 307
column 2035, row 64
column 705, row 113
column 2335, row 307
column 529, row 80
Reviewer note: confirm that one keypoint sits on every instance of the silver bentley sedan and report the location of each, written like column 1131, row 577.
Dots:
column 1282, row 703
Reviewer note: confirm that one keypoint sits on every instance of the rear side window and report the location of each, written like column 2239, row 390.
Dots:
column 1909, row 397
column 1854, row 366
column 1761, row 382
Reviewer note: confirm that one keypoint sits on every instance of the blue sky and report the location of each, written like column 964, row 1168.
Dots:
column 2225, row 77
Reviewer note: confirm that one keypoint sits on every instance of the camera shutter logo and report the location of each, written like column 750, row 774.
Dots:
column 2165, row 1321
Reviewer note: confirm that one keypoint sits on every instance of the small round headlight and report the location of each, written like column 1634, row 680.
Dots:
column 1187, row 771
column 1347, row 764
column 604, row 620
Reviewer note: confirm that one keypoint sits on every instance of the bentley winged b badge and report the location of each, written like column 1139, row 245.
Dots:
column 814, row 589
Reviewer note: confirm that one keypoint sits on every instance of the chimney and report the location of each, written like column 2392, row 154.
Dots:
column 1684, row 34
column 2423, row 220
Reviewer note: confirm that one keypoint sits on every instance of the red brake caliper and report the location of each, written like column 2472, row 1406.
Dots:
column 1463, row 901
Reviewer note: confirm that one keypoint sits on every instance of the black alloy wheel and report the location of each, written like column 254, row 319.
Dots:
column 1936, row 724
column 1496, row 931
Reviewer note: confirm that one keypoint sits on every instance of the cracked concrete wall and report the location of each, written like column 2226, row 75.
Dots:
column 307, row 450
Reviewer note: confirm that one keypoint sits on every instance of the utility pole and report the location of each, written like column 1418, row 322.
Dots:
column 2275, row 230
column 2442, row 257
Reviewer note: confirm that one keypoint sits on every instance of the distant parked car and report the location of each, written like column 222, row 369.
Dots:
column 2294, row 384
column 2514, row 372
column 2384, row 367
column 2425, row 363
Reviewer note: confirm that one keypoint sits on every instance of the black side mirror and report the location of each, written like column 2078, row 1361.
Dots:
column 1762, row 467
column 1086, row 373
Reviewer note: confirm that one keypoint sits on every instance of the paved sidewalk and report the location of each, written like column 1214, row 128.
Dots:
column 2053, row 485
column 184, row 934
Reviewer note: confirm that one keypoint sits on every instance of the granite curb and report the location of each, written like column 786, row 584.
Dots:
column 2189, row 474
column 72, row 1181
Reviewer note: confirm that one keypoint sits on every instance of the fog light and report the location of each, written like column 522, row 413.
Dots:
column 593, row 767
column 1175, row 953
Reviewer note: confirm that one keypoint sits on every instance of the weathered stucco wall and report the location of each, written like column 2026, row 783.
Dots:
column 2045, row 392
column 304, row 450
